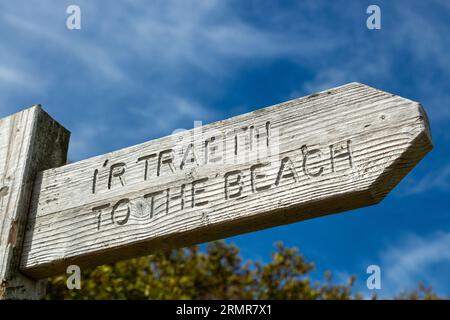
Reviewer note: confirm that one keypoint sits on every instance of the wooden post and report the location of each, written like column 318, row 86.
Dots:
column 30, row 141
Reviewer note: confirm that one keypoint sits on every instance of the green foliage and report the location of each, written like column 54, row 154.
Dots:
column 215, row 273
column 421, row 293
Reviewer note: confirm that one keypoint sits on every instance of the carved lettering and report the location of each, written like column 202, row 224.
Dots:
column 197, row 191
column 116, row 170
column 98, row 212
column 339, row 152
column 313, row 161
column 212, row 150
column 307, row 154
column 165, row 158
column 119, row 208
column 233, row 179
column 146, row 159
column 256, row 175
column 189, row 157
column 286, row 165
column 152, row 197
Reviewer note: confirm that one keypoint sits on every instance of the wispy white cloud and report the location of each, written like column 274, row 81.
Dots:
column 90, row 55
column 416, row 258
column 170, row 110
column 14, row 76
column 413, row 36
column 82, row 139
column 159, row 50
column 438, row 179
column 14, row 80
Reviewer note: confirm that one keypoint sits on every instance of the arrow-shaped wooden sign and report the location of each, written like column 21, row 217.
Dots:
column 332, row 151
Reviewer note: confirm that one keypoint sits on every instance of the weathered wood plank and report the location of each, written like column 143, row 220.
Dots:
column 325, row 153
column 30, row 141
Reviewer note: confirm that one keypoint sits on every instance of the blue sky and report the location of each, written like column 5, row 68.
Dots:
column 138, row 70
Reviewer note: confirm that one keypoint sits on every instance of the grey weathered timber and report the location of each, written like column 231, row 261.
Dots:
column 30, row 141
column 332, row 151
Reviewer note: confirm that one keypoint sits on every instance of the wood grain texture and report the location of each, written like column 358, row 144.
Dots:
column 332, row 151
column 30, row 141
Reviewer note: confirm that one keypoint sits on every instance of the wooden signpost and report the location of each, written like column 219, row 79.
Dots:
column 29, row 141
column 329, row 152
